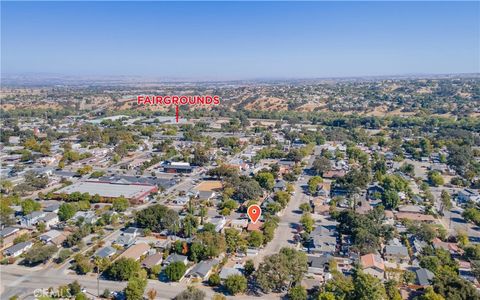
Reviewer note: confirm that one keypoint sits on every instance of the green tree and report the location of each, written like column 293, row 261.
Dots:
column 297, row 293
column 430, row 295
column 236, row 284
column 321, row 165
column 214, row 280
column 233, row 239
column 282, row 269
column 123, row 269
column 29, row 206
column 39, row 254
column 189, row 224
column 82, row 264
column 368, row 287
column 249, row 267
column 247, row 189
column 326, row 296
column 157, row 218
column 313, row 183
column 435, row 178
column 446, row 201
column 266, row 180
column 391, row 289
column 307, row 222
column 282, row 198
column 255, row 239
column 120, row 204
column 390, row 199
column 191, row 293
column 81, row 296
column 135, row 288
column 305, row 207
column 66, row 211
column 175, row 271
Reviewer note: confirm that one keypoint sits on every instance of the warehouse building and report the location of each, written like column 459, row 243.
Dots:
column 108, row 191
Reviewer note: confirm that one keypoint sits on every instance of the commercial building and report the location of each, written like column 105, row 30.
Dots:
column 108, row 191
column 177, row 167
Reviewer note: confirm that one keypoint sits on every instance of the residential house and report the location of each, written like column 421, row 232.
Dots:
column 202, row 270
column 175, row 258
column 136, row 251
column 53, row 208
column 132, row 231
column 49, row 236
column 8, row 235
column 206, row 195
column 465, row 271
column 320, row 207
column 51, row 219
column 468, row 195
column 424, row 277
column 452, row 248
column 106, row 252
column 228, row 271
column 238, row 224
column 255, row 227
column 88, row 217
column 416, row 217
column 285, row 166
column 8, row 231
column 124, row 240
column 396, row 253
column 152, row 260
column 375, row 192
column 32, row 218
column 323, row 240
column 332, row 174
column 318, row 265
column 17, row 249
column 373, row 264
column 219, row 222
column 280, row 185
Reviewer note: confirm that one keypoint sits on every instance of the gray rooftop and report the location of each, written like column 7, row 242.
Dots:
column 8, row 231
column 107, row 189
column 396, row 250
column 106, row 252
column 202, row 268
column 424, row 276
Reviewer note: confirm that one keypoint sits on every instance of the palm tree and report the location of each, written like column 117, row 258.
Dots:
column 151, row 294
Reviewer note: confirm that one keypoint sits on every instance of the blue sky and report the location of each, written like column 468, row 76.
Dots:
column 240, row 40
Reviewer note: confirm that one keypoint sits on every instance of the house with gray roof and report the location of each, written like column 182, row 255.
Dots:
column 7, row 231
column 229, row 271
column 106, row 252
column 17, row 249
column 202, row 270
column 152, row 260
column 280, row 185
column 32, row 218
column 175, row 258
column 125, row 240
column 424, row 276
column 396, row 253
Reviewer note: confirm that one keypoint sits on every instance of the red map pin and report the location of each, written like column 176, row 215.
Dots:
column 254, row 212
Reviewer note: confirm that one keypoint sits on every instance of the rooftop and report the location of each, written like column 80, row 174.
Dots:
column 109, row 190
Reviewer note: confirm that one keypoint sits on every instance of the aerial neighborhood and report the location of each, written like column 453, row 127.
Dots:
column 375, row 198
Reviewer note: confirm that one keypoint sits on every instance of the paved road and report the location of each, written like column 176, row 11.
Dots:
column 290, row 215
column 22, row 281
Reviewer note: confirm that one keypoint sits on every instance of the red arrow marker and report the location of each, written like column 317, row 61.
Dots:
column 254, row 212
